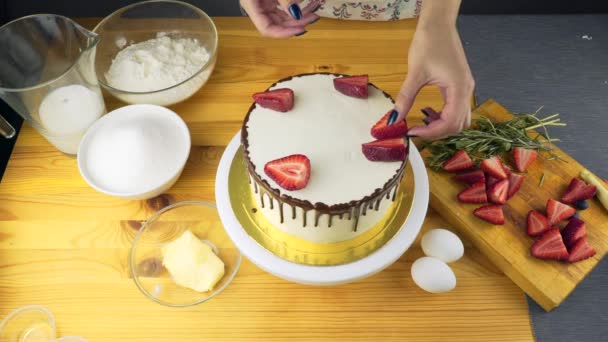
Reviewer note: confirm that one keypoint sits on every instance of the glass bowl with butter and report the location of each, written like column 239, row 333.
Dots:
column 182, row 256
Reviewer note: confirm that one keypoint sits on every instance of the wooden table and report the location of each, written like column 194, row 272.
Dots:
column 64, row 246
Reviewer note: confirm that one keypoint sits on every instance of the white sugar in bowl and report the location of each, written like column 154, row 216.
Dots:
column 135, row 152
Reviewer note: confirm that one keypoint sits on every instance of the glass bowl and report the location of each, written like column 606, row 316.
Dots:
column 29, row 323
column 146, row 20
column 146, row 265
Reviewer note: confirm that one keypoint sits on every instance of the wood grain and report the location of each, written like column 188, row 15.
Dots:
column 64, row 246
column 508, row 246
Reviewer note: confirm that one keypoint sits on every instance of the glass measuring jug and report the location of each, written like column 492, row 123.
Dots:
column 47, row 75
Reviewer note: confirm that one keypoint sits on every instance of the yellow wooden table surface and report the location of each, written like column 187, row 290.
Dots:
column 64, row 246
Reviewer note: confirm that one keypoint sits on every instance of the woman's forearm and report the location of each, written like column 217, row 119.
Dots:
column 438, row 13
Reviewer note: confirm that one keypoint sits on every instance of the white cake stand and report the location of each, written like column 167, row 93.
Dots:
column 322, row 275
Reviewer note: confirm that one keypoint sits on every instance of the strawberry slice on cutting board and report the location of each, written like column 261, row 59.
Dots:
column 494, row 167
column 386, row 150
column 574, row 230
column 491, row 213
column 537, row 223
column 354, row 86
column 578, row 190
column 381, row 130
column 290, row 173
column 580, row 251
column 499, row 191
column 550, row 246
column 515, row 183
column 471, row 177
column 460, row 161
column 280, row 99
column 476, row 193
column 523, row 158
column 558, row 211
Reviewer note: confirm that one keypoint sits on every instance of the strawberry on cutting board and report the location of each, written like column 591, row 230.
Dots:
column 394, row 149
column 515, row 183
column 578, row 190
column 494, row 167
column 460, row 161
column 354, row 86
column 381, row 130
column 537, row 223
column 523, row 158
column 471, row 177
column 291, row 172
column 580, row 251
column 476, row 193
column 280, row 99
column 550, row 246
column 558, row 211
column 499, row 191
column 574, row 230
column 491, row 213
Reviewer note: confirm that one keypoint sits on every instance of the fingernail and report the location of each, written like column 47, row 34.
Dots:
column 426, row 121
column 314, row 21
column 392, row 118
column 425, row 112
column 295, row 11
column 301, row 33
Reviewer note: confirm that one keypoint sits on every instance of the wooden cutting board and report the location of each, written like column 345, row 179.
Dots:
column 508, row 246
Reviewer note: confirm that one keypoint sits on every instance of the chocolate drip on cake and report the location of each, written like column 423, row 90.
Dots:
column 281, row 210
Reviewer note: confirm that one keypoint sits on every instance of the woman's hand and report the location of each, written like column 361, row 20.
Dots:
column 436, row 57
column 280, row 18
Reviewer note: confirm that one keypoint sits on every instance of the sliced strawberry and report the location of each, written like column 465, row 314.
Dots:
column 459, row 161
column 471, row 177
column 490, row 181
column 550, row 246
column 291, row 172
column 558, row 211
column 491, row 213
column 386, row 150
column 382, row 130
column 476, row 193
column 578, row 190
column 493, row 166
column 355, row 86
column 499, row 191
column 523, row 157
column 574, row 230
column 580, row 251
column 537, row 223
column 278, row 99
column 515, row 183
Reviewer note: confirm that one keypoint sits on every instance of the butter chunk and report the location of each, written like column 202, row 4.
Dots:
column 192, row 263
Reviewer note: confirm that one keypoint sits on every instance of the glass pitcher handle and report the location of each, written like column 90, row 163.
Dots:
column 6, row 130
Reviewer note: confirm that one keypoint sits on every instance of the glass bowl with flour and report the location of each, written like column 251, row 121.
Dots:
column 155, row 52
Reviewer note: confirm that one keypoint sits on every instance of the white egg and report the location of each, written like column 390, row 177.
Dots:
column 433, row 275
column 443, row 245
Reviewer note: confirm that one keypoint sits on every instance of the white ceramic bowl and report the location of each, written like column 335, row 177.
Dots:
column 123, row 125
column 322, row 275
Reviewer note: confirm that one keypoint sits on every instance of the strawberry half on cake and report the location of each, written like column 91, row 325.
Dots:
column 328, row 169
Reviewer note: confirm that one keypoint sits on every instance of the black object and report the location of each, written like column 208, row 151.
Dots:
column 581, row 205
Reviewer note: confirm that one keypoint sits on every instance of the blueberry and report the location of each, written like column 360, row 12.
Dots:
column 582, row 204
column 576, row 215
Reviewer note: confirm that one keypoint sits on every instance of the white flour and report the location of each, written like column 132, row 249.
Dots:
column 157, row 64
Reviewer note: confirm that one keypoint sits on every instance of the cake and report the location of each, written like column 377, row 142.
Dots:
column 346, row 194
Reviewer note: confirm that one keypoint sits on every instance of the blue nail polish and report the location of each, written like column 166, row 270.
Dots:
column 393, row 117
column 301, row 33
column 295, row 11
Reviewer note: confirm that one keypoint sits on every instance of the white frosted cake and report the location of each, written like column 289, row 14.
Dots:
column 346, row 193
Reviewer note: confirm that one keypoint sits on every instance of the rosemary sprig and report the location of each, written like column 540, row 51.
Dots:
column 487, row 138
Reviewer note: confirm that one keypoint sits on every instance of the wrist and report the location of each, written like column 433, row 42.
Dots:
column 438, row 15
